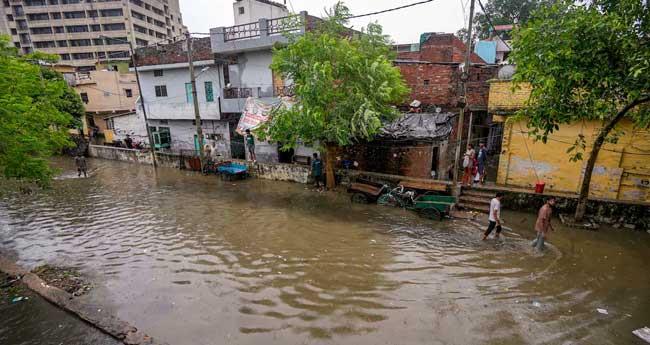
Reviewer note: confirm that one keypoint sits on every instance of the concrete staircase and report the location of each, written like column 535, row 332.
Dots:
column 475, row 200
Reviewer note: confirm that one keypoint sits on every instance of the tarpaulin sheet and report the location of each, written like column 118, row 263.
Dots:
column 419, row 126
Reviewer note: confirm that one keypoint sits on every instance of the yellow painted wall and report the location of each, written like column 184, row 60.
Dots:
column 502, row 97
column 622, row 170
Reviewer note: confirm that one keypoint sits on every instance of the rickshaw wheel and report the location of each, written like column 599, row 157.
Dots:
column 431, row 213
column 384, row 200
column 359, row 198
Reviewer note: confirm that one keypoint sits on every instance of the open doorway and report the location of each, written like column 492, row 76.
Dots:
column 237, row 146
column 285, row 156
column 435, row 159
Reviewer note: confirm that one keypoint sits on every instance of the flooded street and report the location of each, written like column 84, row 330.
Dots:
column 193, row 260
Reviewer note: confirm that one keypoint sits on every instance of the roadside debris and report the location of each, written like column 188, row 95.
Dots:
column 68, row 279
column 11, row 291
column 18, row 299
column 643, row 333
column 587, row 224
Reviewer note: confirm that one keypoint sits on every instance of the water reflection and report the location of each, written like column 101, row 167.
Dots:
column 194, row 260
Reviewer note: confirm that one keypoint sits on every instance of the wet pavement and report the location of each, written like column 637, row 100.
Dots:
column 36, row 322
column 193, row 260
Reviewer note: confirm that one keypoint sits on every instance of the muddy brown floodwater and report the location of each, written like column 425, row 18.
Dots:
column 193, row 260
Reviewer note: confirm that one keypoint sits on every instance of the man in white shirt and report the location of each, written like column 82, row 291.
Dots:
column 495, row 216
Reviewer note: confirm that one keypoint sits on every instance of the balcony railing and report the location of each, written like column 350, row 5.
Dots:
column 264, row 27
column 284, row 24
column 237, row 92
column 245, row 92
column 243, row 31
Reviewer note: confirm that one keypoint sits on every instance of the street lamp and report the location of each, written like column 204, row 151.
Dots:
column 144, row 109
column 203, row 70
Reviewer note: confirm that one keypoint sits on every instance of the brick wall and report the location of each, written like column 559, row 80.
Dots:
column 441, row 48
column 504, row 99
column 478, row 88
column 438, row 63
column 441, row 79
column 174, row 53
column 437, row 84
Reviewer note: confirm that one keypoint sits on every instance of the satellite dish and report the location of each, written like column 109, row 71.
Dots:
column 438, row 110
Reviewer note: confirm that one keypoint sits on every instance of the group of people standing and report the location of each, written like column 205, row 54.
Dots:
column 474, row 165
column 542, row 225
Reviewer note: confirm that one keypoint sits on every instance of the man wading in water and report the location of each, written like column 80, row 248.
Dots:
column 80, row 162
column 543, row 223
column 495, row 216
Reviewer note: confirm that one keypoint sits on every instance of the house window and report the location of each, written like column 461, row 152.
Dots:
column 426, row 81
column 110, row 124
column 241, row 10
column 161, row 137
column 128, row 92
column 84, row 97
column 161, row 90
column 188, row 92
column 157, row 73
column 209, row 92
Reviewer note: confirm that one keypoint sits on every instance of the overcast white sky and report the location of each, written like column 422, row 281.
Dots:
column 404, row 26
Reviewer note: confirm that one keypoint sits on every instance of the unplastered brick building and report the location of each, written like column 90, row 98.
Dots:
column 432, row 69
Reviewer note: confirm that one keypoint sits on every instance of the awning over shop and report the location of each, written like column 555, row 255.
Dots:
column 419, row 126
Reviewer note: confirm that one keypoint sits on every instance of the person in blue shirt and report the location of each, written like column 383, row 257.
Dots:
column 317, row 170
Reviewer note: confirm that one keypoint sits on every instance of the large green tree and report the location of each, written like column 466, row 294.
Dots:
column 70, row 102
column 500, row 12
column 344, row 83
column 585, row 62
column 32, row 125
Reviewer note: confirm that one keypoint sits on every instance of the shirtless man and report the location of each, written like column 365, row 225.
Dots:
column 543, row 223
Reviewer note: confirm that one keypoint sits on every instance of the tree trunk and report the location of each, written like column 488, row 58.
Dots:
column 330, row 163
column 581, row 208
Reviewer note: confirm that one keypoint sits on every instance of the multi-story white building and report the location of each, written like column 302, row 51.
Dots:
column 75, row 29
column 231, row 66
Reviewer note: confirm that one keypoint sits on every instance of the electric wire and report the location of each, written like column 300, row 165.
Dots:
column 489, row 19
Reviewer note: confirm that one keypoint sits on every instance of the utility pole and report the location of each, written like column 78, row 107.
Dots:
column 144, row 108
column 463, row 78
column 195, row 99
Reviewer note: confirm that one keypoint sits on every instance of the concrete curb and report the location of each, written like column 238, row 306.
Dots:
column 120, row 330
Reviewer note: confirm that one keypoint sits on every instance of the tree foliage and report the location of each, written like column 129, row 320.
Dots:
column 70, row 102
column 501, row 12
column 585, row 62
column 32, row 124
column 344, row 84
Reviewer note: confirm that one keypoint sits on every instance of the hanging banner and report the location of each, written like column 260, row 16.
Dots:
column 256, row 113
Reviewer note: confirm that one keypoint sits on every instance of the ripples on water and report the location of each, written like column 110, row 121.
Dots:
column 193, row 260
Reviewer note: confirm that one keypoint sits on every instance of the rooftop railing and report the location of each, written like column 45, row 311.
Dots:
column 266, row 27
